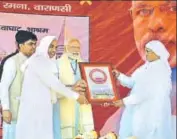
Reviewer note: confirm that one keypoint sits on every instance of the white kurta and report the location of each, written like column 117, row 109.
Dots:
column 150, row 100
column 8, row 76
column 75, row 118
column 126, row 118
column 35, row 112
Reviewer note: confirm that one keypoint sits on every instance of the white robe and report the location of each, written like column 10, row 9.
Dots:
column 126, row 118
column 35, row 112
column 150, row 101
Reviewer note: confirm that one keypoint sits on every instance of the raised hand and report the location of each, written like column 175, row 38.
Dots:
column 80, row 87
column 119, row 103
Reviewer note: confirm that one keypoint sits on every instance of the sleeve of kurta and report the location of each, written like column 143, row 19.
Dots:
column 50, row 80
column 126, row 81
column 8, row 75
column 133, row 99
column 143, row 92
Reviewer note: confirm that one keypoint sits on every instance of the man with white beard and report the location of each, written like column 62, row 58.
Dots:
column 75, row 119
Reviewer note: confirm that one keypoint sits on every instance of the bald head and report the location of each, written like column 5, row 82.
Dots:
column 73, row 40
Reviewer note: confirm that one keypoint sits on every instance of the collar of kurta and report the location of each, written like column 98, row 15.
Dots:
column 72, row 60
column 22, row 55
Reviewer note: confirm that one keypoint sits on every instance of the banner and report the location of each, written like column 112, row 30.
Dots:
column 42, row 25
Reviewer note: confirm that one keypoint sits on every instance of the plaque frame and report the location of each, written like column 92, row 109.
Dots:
column 96, row 67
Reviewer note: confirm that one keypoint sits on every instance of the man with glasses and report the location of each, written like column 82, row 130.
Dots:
column 12, row 78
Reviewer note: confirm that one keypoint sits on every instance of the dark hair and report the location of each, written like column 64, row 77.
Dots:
column 22, row 36
column 4, row 60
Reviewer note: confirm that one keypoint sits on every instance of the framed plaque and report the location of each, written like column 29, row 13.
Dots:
column 101, row 85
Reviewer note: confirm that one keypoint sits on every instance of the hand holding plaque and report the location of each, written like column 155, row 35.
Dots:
column 119, row 103
column 101, row 85
column 80, row 87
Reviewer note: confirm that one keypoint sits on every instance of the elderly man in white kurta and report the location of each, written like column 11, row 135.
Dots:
column 75, row 119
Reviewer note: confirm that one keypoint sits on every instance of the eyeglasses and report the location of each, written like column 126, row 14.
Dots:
column 169, row 11
column 149, row 51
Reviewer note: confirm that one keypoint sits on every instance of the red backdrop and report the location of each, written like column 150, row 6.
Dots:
column 111, row 38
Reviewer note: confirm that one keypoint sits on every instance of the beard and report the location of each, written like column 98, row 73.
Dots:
column 74, row 56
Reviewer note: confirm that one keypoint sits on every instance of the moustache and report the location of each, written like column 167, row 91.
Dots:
column 168, row 42
column 74, row 55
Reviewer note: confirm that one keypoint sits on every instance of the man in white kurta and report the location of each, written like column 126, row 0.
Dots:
column 149, row 97
column 12, row 79
column 75, row 119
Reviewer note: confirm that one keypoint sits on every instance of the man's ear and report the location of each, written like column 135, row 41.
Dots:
column 20, row 45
